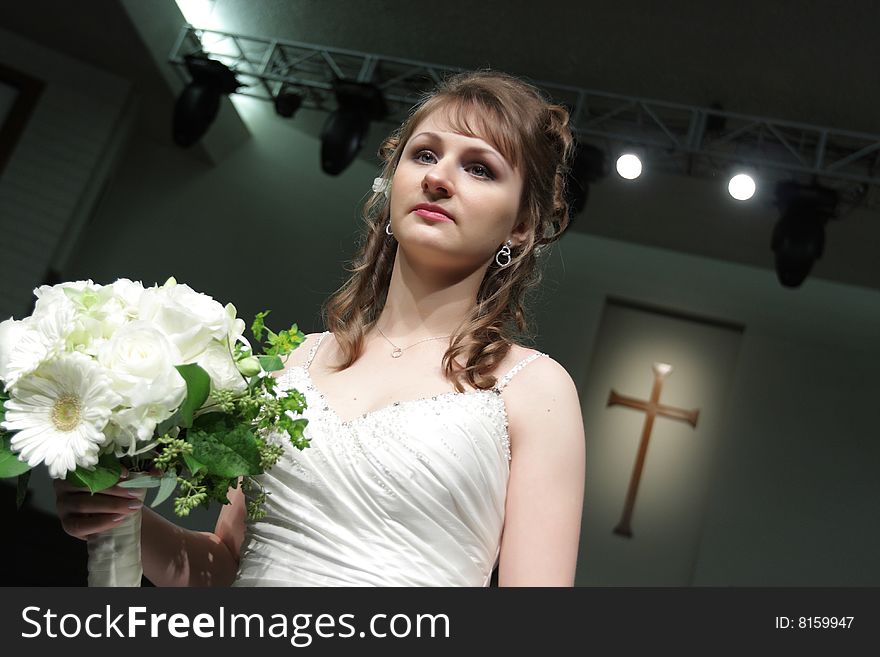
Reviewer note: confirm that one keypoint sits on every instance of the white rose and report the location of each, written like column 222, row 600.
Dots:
column 123, row 306
column 141, row 361
column 217, row 362
column 189, row 319
column 49, row 295
column 90, row 303
column 129, row 293
column 130, row 428
column 214, row 316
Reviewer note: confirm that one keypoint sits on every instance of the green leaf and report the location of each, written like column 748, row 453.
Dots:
column 211, row 422
column 240, row 351
column 270, row 363
column 227, row 454
column 105, row 474
column 148, row 481
column 22, row 488
column 166, row 487
column 193, row 463
column 165, row 425
column 198, row 387
column 258, row 326
column 10, row 466
column 281, row 344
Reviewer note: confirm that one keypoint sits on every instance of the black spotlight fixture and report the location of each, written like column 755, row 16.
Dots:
column 799, row 235
column 346, row 128
column 197, row 106
column 589, row 164
column 287, row 102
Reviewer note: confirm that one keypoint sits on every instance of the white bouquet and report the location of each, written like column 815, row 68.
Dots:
column 157, row 379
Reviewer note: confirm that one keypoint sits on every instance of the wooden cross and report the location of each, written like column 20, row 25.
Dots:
column 652, row 409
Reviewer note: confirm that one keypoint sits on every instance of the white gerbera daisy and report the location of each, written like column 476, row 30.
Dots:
column 59, row 414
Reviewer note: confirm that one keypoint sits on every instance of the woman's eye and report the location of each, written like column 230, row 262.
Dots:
column 421, row 153
column 481, row 171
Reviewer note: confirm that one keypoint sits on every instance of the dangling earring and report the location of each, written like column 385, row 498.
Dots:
column 388, row 228
column 505, row 251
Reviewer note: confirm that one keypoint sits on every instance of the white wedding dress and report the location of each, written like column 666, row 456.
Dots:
column 411, row 494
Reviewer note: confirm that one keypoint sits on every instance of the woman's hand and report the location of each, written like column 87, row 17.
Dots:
column 83, row 514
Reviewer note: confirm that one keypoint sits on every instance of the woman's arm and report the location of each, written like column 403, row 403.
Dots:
column 545, row 493
column 174, row 556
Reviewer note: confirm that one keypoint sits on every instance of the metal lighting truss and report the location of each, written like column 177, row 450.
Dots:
column 697, row 141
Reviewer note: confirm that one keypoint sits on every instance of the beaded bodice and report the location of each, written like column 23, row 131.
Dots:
column 411, row 494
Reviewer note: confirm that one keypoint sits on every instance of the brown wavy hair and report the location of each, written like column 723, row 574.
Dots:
column 530, row 131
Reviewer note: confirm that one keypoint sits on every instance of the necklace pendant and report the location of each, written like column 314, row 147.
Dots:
column 396, row 353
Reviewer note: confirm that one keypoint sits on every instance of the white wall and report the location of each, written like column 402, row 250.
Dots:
column 59, row 165
column 794, row 501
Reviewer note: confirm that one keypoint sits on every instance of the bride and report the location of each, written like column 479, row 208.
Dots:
column 441, row 451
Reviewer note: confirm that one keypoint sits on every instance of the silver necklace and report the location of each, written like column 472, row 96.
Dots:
column 398, row 351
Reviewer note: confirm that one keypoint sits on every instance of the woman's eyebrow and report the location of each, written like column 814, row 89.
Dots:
column 472, row 149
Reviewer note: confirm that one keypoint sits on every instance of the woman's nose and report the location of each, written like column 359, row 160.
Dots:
column 437, row 181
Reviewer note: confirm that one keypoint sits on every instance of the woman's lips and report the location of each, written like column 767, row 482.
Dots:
column 433, row 216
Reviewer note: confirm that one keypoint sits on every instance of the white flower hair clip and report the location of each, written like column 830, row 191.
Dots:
column 382, row 185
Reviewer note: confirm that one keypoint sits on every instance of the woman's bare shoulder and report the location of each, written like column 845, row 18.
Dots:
column 514, row 356
column 537, row 370
column 520, row 352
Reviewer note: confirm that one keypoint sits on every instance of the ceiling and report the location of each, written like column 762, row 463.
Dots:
column 810, row 61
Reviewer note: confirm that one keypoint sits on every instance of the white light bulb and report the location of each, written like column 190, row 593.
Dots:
column 741, row 187
column 629, row 166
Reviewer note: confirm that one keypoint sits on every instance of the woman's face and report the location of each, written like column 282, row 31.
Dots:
column 464, row 177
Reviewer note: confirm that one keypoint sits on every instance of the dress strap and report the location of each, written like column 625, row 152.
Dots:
column 315, row 348
column 504, row 380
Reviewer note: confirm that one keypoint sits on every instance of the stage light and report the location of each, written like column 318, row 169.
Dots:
column 197, row 106
column 629, row 166
column 345, row 129
column 287, row 102
column 342, row 138
column 741, row 187
column 799, row 236
column 589, row 164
